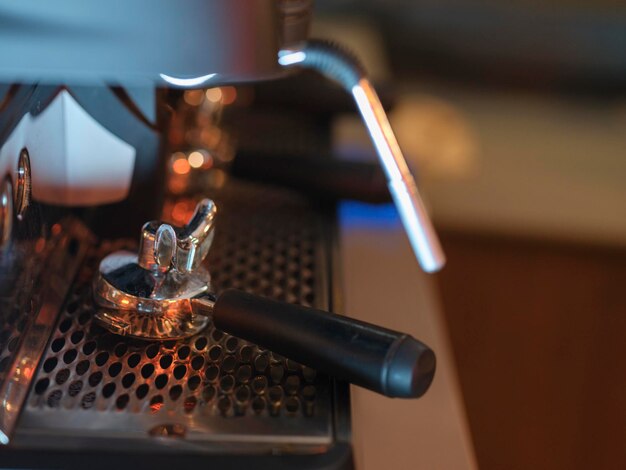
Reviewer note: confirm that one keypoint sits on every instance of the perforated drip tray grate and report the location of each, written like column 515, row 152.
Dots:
column 209, row 392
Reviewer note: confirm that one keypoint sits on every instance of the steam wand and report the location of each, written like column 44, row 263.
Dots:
column 334, row 62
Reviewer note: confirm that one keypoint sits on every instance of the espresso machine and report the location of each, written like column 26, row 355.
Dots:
column 162, row 304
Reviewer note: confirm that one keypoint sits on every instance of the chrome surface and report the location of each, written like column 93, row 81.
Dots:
column 208, row 393
column 402, row 186
column 23, row 184
column 6, row 212
column 39, row 294
column 338, row 65
column 163, row 247
column 139, row 42
column 295, row 19
column 148, row 304
column 151, row 295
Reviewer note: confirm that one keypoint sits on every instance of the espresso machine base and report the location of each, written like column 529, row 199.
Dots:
column 211, row 396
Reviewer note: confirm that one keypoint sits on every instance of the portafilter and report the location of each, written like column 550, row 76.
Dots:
column 163, row 292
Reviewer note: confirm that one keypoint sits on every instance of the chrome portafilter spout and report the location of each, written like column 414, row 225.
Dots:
column 149, row 295
column 163, row 293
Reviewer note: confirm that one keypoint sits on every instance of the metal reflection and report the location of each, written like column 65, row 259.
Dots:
column 35, row 296
column 341, row 66
column 401, row 183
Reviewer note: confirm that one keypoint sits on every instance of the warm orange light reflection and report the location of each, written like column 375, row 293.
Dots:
column 217, row 178
column 195, row 159
column 214, row 95
column 193, row 97
column 40, row 245
column 177, row 185
column 211, row 137
column 208, row 161
column 229, row 94
column 181, row 212
column 28, row 372
column 156, row 407
column 181, row 166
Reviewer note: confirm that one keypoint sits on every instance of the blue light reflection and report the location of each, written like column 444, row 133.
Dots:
column 358, row 215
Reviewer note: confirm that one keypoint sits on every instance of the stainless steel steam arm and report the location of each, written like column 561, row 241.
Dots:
column 336, row 63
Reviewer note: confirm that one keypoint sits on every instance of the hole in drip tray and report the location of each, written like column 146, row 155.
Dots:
column 258, row 404
column 231, row 344
column 128, row 380
column 54, row 399
column 147, row 370
column 161, row 381
column 292, row 384
column 108, row 390
column 165, row 361
column 84, row 318
column 242, row 394
column 102, row 358
column 95, row 378
column 69, row 356
column 292, row 404
column 229, row 363
column 62, row 376
column 224, row 404
column 77, row 336
column 42, row 385
column 65, row 325
column 201, row 343
column 208, row 393
column 89, row 347
column 194, row 382
column 175, row 392
column 121, row 349
column 308, row 393
column 82, row 367
column 142, row 391
column 75, row 388
column 261, row 362
column 244, row 373
column 122, row 401
column 57, row 344
column 259, row 384
column 133, row 360
column 180, row 371
column 245, row 353
column 152, row 351
column 197, row 362
column 211, row 373
column 115, row 369
column 50, row 364
column 183, row 352
column 215, row 353
column 227, row 383
column 88, row 400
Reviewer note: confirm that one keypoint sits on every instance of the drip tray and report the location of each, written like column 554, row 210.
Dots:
column 209, row 393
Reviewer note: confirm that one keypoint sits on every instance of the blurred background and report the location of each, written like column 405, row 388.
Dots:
column 514, row 117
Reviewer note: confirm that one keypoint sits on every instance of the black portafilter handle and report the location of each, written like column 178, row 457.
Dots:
column 385, row 361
